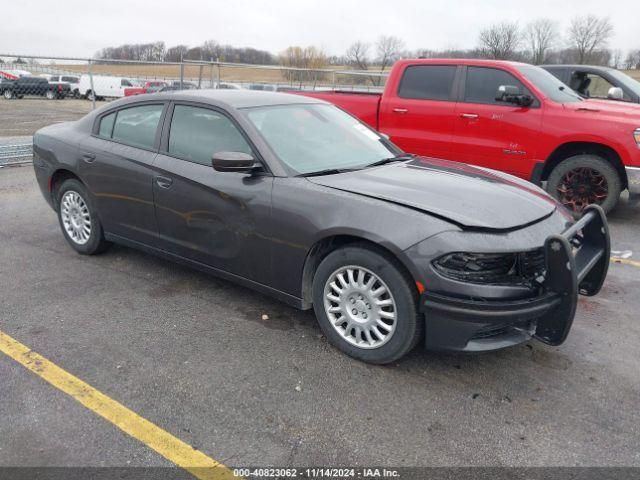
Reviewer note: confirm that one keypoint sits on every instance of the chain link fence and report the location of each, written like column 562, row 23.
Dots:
column 36, row 91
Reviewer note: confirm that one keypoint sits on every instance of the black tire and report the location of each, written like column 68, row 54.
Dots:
column 95, row 243
column 90, row 95
column 8, row 95
column 605, row 172
column 408, row 326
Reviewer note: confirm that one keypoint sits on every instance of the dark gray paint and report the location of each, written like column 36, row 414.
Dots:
column 261, row 229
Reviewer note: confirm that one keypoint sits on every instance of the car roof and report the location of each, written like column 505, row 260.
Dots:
column 458, row 61
column 590, row 67
column 233, row 99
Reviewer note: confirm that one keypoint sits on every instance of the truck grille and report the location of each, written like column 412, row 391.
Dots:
column 493, row 268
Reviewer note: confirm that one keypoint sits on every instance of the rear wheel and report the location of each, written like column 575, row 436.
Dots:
column 78, row 219
column 365, row 304
column 50, row 95
column 8, row 94
column 584, row 180
column 90, row 95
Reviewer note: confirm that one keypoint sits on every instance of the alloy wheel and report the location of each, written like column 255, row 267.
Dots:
column 360, row 307
column 581, row 187
column 76, row 218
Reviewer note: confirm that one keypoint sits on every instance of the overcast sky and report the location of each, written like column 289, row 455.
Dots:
column 80, row 28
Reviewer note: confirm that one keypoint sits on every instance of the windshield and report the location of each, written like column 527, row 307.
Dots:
column 549, row 85
column 626, row 80
column 314, row 138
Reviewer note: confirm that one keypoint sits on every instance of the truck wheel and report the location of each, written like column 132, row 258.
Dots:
column 50, row 95
column 583, row 180
column 90, row 95
column 366, row 305
column 8, row 94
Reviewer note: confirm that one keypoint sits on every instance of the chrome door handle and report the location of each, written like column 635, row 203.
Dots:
column 400, row 110
column 164, row 182
column 469, row 115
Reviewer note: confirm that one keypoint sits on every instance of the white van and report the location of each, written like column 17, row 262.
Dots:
column 103, row 86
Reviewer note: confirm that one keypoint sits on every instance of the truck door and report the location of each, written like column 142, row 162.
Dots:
column 419, row 116
column 493, row 133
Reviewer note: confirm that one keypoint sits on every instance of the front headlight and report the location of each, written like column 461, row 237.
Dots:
column 636, row 135
column 493, row 268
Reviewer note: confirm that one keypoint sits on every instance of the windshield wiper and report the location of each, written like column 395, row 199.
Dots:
column 398, row 158
column 327, row 171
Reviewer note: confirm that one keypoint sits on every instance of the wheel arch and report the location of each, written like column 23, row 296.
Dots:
column 571, row 149
column 330, row 243
column 58, row 178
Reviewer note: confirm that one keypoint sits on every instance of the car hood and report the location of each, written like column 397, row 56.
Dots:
column 469, row 196
column 610, row 107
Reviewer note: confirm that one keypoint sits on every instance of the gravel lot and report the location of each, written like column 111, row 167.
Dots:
column 25, row 116
column 192, row 354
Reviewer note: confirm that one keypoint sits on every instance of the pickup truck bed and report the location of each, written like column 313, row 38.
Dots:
column 363, row 105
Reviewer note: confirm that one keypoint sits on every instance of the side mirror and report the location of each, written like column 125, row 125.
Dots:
column 233, row 162
column 615, row 93
column 511, row 94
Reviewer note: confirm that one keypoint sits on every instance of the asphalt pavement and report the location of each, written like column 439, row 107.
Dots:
column 193, row 355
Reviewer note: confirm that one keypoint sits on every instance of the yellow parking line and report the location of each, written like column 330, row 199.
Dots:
column 625, row 261
column 176, row 451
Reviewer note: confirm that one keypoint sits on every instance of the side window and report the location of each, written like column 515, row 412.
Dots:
column 125, row 83
column 197, row 133
column 136, row 126
column 558, row 73
column 592, row 85
column 483, row 83
column 54, row 78
column 427, row 82
column 106, row 125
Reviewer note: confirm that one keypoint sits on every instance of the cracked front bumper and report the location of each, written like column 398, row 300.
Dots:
column 577, row 261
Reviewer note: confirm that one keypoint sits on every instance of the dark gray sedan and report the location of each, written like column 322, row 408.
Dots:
column 294, row 197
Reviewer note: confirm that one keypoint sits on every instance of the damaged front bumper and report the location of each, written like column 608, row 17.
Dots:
column 576, row 260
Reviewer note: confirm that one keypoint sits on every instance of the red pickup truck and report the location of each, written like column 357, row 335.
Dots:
column 507, row 116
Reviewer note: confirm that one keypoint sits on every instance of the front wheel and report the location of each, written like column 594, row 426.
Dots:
column 79, row 220
column 366, row 305
column 583, row 180
column 8, row 94
column 50, row 95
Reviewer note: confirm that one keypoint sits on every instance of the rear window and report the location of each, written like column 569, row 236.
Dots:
column 427, row 82
column 137, row 126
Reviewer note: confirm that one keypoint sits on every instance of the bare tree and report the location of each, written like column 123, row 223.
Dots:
column 500, row 41
column 357, row 55
column 540, row 36
column 616, row 58
column 633, row 60
column 588, row 34
column 388, row 50
column 311, row 58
